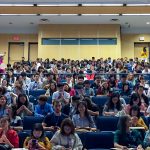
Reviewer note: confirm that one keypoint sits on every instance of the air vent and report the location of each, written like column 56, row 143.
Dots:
column 44, row 20
column 114, row 20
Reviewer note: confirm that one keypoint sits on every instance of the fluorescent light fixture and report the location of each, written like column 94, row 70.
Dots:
column 49, row 14
column 17, row 14
column 16, row 5
column 102, row 4
column 135, row 14
column 100, row 14
column 138, row 4
column 90, row 14
column 57, row 4
column 68, row 14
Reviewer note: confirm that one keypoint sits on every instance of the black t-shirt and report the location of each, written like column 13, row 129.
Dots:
column 53, row 120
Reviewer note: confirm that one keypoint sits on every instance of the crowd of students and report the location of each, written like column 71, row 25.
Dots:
column 72, row 84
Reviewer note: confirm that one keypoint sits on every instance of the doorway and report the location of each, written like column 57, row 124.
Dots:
column 15, row 52
column 32, row 51
column 138, row 47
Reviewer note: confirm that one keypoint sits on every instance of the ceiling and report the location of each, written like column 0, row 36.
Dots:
column 29, row 24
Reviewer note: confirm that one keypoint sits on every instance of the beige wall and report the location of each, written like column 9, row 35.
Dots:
column 77, row 31
column 128, row 40
column 6, row 38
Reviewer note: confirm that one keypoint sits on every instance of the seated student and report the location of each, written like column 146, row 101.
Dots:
column 61, row 95
column 24, row 107
column 71, row 108
column 53, row 121
column 3, row 106
column 135, row 100
column 136, row 119
column 104, row 89
column 68, row 89
column 114, row 106
column 93, row 109
column 43, row 108
column 15, row 121
column 83, row 120
column 8, row 137
column 66, row 138
column 37, row 140
column 126, row 91
column 146, row 141
column 125, row 138
column 87, row 90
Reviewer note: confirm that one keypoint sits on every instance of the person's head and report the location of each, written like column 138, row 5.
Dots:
column 50, row 76
column 3, row 101
column 140, row 90
column 75, row 100
column 98, row 79
column 60, row 87
column 57, row 106
column 36, row 77
column 23, row 74
column 4, row 83
column 5, row 123
column 144, row 49
column 42, row 99
column 82, row 108
column 38, row 131
column 67, row 127
column 22, row 99
column 123, row 78
column 18, row 84
column 87, row 84
column 66, row 87
column 80, row 79
column 53, row 86
column 115, row 98
column 135, row 111
column 124, row 123
column 135, row 99
column 105, row 85
column 125, row 87
column 88, row 101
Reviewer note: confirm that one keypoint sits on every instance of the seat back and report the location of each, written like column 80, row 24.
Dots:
column 29, row 121
column 106, row 123
column 95, row 140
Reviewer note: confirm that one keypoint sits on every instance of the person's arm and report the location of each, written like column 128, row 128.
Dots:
column 96, row 113
column 19, row 110
column 107, row 113
column 47, row 128
column 78, row 144
column 28, row 110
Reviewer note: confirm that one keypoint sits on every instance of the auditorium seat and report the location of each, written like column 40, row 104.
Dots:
column 99, row 140
column 29, row 121
column 100, row 100
column 22, row 137
column 37, row 93
column 106, row 123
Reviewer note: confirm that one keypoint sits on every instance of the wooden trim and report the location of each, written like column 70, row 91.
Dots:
column 74, row 10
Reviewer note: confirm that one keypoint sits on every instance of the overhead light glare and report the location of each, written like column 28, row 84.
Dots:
column 138, row 5
column 135, row 14
column 102, row 5
column 57, row 5
column 23, row 5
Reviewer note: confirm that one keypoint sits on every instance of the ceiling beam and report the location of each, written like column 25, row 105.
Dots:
column 74, row 10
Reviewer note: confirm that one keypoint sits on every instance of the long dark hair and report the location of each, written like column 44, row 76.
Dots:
column 6, row 101
column 134, row 97
column 110, row 103
column 67, row 122
column 86, row 111
column 122, row 124
column 19, row 104
column 135, row 108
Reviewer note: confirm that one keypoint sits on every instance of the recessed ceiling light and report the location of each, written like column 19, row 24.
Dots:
column 147, row 22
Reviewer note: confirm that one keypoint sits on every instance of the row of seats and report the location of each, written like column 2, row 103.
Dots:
column 90, row 140
column 103, row 123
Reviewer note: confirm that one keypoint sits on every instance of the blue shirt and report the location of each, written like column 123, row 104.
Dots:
column 43, row 110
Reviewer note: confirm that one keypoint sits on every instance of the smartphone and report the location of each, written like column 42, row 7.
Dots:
column 34, row 143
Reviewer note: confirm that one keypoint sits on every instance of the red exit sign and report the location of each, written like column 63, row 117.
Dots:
column 16, row 38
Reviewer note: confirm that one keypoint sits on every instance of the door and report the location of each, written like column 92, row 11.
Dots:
column 15, row 52
column 33, row 51
column 138, row 48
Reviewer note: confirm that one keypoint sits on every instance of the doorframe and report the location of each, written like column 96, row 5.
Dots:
column 29, row 48
column 13, row 43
